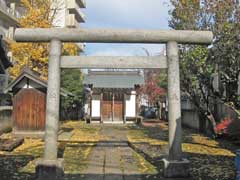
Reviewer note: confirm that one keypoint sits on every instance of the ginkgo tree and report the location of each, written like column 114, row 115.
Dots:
column 38, row 14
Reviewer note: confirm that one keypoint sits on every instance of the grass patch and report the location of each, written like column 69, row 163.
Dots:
column 75, row 154
column 75, row 159
column 83, row 132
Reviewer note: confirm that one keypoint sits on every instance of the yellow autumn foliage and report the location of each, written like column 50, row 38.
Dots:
column 143, row 165
column 35, row 55
column 82, row 132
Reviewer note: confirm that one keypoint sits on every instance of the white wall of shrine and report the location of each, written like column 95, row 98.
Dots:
column 131, row 105
column 96, row 106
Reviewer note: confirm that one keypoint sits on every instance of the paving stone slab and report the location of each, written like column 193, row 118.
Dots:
column 96, row 161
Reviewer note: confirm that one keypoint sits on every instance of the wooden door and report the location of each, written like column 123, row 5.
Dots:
column 107, row 107
column 118, row 107
column 29, row 108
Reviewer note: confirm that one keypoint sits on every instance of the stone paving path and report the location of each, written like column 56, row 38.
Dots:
column 112, row 159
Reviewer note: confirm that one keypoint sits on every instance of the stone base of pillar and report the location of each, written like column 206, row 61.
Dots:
column 176, row 169
column 49, row 169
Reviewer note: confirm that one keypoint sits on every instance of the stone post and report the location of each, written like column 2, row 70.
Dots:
column 113, row 102
column 101, row 109
column 124, row 108
column 50, row 167
column 91, row 107
column 174, row 166
column 238, row 91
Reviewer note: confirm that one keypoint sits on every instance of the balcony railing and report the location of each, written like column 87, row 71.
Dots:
column 73, row 7
column 8, row 14
column 81, row 3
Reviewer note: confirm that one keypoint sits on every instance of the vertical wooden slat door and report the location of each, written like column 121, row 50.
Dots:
column 107, row 107
column 29, row 107
column 112, row 110
column 118, row 107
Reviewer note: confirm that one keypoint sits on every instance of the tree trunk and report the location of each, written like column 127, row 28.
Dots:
column 204, row 117
column 213, row 122
column 160, row 110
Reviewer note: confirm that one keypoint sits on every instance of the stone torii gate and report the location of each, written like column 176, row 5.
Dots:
column 50, row 167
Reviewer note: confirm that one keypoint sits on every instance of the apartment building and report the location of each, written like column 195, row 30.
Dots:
column 8, row 18
column 68, row 14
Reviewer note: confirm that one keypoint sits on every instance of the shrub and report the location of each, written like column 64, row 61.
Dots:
column 223, row 127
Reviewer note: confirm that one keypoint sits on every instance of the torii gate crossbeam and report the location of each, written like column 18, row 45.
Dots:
column 111, row 35
column 174, row 165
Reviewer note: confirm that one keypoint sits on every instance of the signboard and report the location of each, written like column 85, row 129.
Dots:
column 3, row 82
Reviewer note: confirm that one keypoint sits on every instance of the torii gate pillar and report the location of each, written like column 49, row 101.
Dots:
column 175, row 165
column 50, row 167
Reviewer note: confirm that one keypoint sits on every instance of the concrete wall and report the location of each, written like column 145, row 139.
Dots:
column 5, row 119
column 190, row 117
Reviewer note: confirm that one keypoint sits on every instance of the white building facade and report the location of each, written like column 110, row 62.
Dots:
column 8, row 16
column 68, row 14
column 112, row 96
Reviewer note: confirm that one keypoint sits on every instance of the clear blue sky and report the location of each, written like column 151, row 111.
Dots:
column 136, row 14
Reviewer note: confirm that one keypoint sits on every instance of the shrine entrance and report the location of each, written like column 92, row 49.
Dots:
column 112, row 107
column 175, row 165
